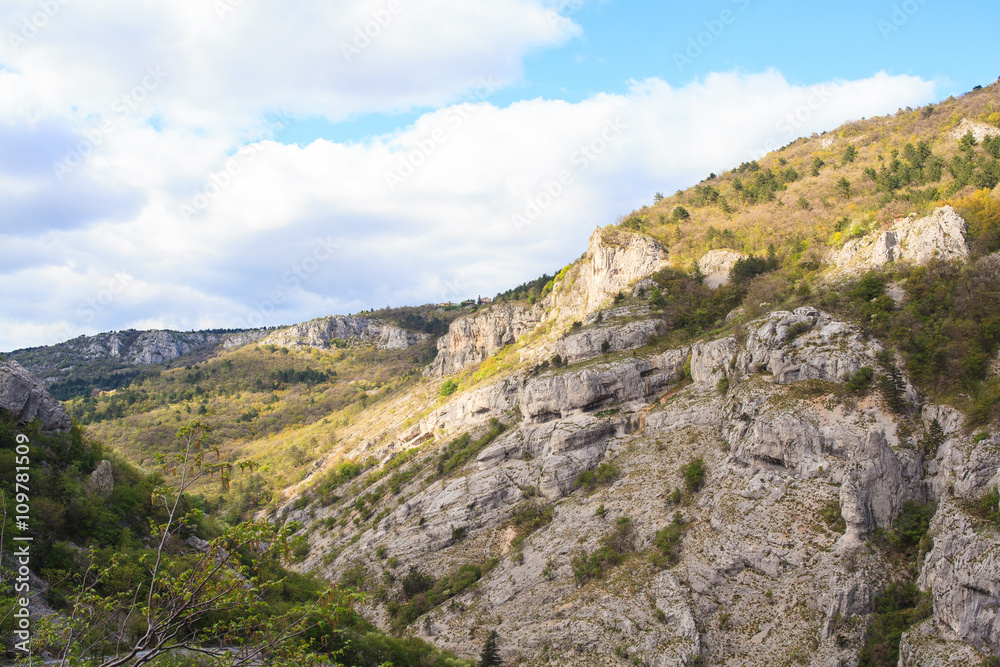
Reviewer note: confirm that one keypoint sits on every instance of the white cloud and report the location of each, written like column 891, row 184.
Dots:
column 211, row 236
column 446, row 231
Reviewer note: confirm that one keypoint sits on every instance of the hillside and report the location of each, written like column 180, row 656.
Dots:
column 755, row 423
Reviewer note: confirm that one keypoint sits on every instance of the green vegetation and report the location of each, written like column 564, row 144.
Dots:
column 590, row 480
column 614, row 548
column 668, row 542
column 490, row 657
column 421, row 592
column 463, row 448
column 528, row 517
column 694, row 475
column 987, row 508
column 897, row 609
column 833, row 517
column 448, row 388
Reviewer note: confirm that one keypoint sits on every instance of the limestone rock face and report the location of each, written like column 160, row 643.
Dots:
column 806, row 345
column 963, row 573
column 715, row 265
column 940, row 235
column 473, row 338
column 876, row 486
column 232, row 341
column 589, row 343
column 979, row 130
column 102, row 481
column 759, row 574
column 616, row 259
column 322, row 332
column 26, row 398
column 145, row 348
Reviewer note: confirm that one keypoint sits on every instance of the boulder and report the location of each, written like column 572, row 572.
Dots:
column 26, row 398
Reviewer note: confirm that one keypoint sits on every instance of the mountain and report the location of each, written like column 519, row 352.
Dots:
column 755, row 423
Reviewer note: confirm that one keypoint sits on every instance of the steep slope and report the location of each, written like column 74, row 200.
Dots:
column 794, row 461
column 636, row 467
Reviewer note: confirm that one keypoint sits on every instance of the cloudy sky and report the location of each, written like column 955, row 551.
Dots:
column 225, row 163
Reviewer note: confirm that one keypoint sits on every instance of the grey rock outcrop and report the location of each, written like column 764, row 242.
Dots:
column 232, row 341
column 806, row 345
column 102, row 480
column 979, row 130
column 26, row 398
column 590, row 342
column 615, row 259
column 715, row 265
column 473, row 338
column 940, row 235
column 321, row 333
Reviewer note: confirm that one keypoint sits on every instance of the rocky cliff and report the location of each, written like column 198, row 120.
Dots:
column 26, row 398
column 615, row 260
column 940, row 235
column 761, row 577
column 327, row 331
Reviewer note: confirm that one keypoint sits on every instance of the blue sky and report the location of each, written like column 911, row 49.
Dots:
column 201, row 164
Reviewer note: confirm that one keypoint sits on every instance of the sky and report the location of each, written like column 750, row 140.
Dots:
column 239, row 163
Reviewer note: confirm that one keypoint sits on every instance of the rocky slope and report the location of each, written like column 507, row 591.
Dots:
column 26, row 399
column 762, row 576
column 328, row 331
column 109, row 352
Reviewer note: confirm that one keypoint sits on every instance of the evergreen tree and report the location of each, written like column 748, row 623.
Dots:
column 490, row 656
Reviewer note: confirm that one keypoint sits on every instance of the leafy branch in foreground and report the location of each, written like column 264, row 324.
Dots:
column 210, row 600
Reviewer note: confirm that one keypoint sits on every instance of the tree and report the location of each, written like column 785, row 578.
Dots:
column 681, row 213
column 850, row 154
column 172, row 600
column 844, row 187
column 658, row 197
column 490, row 656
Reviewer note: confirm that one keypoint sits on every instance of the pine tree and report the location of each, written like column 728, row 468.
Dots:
column 490, row 656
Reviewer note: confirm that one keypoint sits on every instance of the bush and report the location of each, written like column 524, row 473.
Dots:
column 694, row 475
column 604, row 474
column 448, row 388
column 681, row 213
column 897, row 608
column 722, row 386
column 614, row 547
column 861, row 381
column 668, row 542
column 833, row 517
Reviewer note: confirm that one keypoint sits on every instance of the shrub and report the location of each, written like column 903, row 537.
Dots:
column 897, row 608
column 614, row 547
column 861, row 381
column 722, row 386
column 694, row 475
column 604, row 474
column 668, row 542
column 681, row 213
column 605, row 347
column 448, row 388
column 831, row 514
